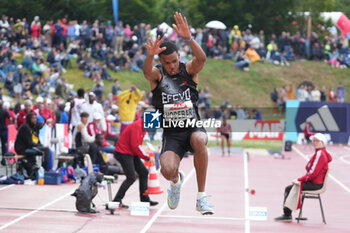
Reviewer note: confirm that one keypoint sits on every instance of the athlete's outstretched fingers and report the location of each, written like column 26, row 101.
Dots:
column 175, row 27
column 160, row 41
column 185, row 20
column 176, row 17
column 150, row 42
column 150, row 45
column 180, row 18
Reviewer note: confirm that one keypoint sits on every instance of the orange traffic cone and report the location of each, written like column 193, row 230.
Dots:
column 148, row 163
column 153, row 182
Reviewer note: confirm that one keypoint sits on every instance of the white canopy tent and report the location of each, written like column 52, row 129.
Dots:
column 164, row 27
column 215, row 24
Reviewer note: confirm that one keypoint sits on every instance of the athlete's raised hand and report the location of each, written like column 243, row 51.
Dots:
column 153, row 48
column 181, row 26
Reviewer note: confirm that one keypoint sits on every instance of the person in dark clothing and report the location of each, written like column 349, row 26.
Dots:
column 128, row 153
column 3, row 127
column 323, row 94
column 274, row 98
column 96, row 157
column 27, row 143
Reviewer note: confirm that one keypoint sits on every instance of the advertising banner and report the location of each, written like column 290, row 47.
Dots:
column 329, row 118
column 253, row 130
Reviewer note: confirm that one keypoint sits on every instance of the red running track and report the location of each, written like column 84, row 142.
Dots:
column 25, row 208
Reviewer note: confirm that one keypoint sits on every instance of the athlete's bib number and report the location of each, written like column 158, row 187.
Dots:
column 177, row 112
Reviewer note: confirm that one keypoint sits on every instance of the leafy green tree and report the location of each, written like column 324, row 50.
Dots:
column 227, row 11
column 138, row 11
column 343, row 6
column 17, row 8
column 315, row 7
column 55, row 9
column 167, row 9
column 263, row 14
column 270, row 15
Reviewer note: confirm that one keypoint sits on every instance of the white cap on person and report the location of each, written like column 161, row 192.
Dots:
column 6, row 105
column 320, row 137
column 115, row 107
column 97, row 116
column 92, row 94
column 39, row 99
column 110, row 117
column 143, row 104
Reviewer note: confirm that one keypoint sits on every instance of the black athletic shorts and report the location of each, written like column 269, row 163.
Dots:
column 226, row 135
column 178, row 141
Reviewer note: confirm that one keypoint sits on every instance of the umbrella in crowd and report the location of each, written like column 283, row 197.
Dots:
column 215, row 24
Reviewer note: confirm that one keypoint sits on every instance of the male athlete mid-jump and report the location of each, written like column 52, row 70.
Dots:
column 174, row 84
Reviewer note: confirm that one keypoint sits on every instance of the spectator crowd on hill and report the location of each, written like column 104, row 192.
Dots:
column 34, row 56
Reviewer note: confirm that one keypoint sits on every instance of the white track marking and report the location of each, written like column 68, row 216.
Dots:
column 34, row 211
column 246, row 194
column 161, row 209
column 7, row 186
column 342, row 158
column 206, row 218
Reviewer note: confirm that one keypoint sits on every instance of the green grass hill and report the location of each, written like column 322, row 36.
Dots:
column 251, row 89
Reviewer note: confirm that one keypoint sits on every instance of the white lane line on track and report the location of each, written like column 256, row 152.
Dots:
column 246, row 194
column 331, row 176
column 161, row 209
column 36, row 210
column 342, row 158
column 201, row 217
column 7, row 186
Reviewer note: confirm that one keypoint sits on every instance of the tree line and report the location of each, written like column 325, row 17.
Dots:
column 270, row 15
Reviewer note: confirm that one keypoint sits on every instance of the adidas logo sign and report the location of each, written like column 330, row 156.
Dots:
column 323, row 120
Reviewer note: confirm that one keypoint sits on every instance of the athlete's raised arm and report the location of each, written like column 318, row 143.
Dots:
column 196, row 65
column 151, row 73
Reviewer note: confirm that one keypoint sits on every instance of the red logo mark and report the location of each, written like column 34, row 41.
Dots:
column 179, row 106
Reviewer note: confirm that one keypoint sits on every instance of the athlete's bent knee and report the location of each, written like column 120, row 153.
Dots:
column 169, row 172
column 199, row 139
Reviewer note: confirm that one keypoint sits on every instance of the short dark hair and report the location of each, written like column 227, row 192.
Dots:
column 84, row 114
column 81, row 92
column 170, row 48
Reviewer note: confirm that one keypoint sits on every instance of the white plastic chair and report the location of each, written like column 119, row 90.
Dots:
column 313, row 194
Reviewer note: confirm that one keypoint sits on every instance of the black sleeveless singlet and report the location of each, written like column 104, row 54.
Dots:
column 176, row 96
